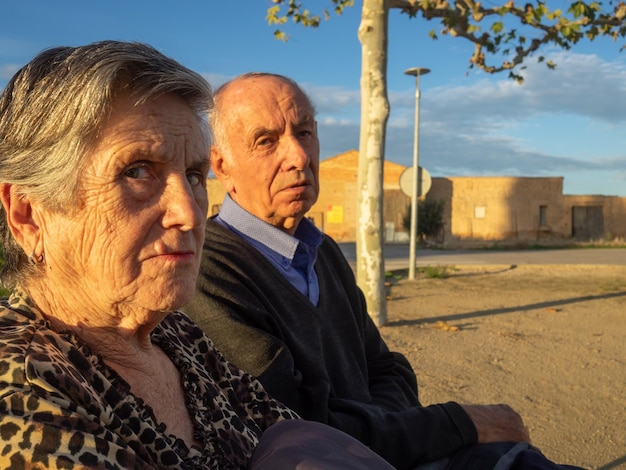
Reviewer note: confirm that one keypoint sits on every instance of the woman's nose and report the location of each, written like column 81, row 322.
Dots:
column 182, row 208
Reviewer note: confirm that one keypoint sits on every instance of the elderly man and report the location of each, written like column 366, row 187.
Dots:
column 280, row 301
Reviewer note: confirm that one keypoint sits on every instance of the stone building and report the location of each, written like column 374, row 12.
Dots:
column 335, row 210
column 524, row 209
column 484, row 209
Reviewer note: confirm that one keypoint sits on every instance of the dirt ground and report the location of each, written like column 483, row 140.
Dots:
column 548, row 340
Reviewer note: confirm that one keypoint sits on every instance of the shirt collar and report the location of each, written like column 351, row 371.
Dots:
column 253, row 228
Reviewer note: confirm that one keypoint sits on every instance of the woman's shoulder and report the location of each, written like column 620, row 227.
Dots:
column 37, row 365
column 19, row 326
column 31, row 352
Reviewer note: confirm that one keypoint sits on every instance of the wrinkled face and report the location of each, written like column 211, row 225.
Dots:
column 135, row 240
column 273, row 163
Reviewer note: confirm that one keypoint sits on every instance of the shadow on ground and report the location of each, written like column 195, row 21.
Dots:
column 501, row 311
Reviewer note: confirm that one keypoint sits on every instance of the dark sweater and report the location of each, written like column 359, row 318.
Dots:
column 328, row 363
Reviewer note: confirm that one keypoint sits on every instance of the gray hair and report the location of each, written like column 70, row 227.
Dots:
column 53, row 109
column 215, row 114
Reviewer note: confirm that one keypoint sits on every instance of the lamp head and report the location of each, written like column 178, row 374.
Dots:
column 417, row 71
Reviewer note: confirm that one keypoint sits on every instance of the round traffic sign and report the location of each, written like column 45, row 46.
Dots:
column 424, row 181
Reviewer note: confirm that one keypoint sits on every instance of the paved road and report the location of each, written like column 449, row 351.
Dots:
column 397, row 256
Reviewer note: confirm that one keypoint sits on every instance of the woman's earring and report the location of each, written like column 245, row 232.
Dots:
column 36, row 259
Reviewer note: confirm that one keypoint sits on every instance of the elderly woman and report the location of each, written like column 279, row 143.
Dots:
column 103, row 159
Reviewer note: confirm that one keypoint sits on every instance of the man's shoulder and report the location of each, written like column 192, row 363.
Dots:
column 227, row 255
column 218, row 237
column 330, row 248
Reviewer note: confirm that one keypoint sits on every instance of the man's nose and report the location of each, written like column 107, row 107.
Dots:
column 294, row 153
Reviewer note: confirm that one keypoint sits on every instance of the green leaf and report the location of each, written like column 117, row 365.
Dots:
column 497, row 27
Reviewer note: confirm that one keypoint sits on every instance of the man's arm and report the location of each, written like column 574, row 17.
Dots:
column 497, row 423
column 494, row 423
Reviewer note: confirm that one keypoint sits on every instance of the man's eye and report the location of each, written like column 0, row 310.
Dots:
column 306, row 133
column 265, row 141
column 137, row 172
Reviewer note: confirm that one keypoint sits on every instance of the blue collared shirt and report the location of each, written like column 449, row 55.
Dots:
column 294, row 256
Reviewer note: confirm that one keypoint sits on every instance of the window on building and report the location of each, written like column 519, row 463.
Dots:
column 543, row 215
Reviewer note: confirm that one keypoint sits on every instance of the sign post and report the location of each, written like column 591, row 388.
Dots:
column 407, row 185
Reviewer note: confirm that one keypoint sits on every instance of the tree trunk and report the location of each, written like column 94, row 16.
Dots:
column 374, row 115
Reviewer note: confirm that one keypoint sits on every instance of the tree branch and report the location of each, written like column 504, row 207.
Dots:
column 485, row 27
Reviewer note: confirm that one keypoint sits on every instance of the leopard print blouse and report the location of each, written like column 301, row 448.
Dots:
column 61, row 407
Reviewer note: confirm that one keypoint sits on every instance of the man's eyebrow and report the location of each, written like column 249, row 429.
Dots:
column 305, row 120
column 261, row 131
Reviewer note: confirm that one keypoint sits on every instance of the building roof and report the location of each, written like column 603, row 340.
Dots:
column 345, row 166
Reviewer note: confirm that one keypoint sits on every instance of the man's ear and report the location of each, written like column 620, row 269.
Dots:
column 20, row 216
column 221, row 167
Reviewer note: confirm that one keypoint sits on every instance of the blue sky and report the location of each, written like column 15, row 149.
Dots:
column 569, row 122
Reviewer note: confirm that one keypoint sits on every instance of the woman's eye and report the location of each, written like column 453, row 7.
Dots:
column 194, row 178
column 137, row 172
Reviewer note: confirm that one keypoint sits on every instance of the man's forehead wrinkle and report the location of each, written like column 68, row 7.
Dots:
column 298, row 113
column 272, row 122
column 296, row 100
column 257, row 112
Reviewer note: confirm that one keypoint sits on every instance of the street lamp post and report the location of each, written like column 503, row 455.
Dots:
column 416, row 72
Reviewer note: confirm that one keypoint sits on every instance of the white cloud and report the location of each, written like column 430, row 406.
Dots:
column 334, row 101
